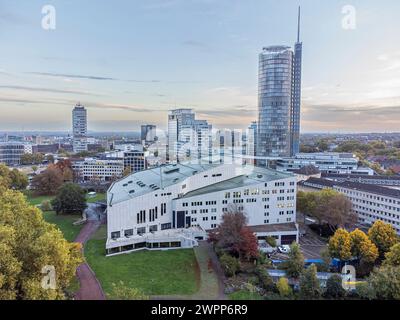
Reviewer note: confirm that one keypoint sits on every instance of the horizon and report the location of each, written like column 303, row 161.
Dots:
column 201, row 54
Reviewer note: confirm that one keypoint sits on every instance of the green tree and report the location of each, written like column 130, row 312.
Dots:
column 392, row 258
column 340, row 245
column 385, row 283
column 27, row 245
column 334, row 288
column 13, row 179
column 271, row 241
column 295, row 263
column 285, row 291
column 265, row 279
column 309, row 284
column 384, row 236
column 70, row 199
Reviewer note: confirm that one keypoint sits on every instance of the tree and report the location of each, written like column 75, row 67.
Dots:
column 28, row 245
column 385, row 282
column 309, row 283
column 340, row 245
column 265, row 279
column 65, row 168
column 229, row 264
column 70, row 199
column 283, row 287
column 334, row 287
column 384, row 236
column 27, row 158
column 295, row 263
column 271, row 241
column 48, row 182
column 122, row 292
column 362, row 247
column 307, row 202
column 13, row 179
column 234, row 236
column 19, row 180
column 392, row 258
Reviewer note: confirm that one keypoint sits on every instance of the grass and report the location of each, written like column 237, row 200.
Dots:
column 245, row 295
column 154, row 273
column 36, row 200
column 64, row 223
column 98, row 197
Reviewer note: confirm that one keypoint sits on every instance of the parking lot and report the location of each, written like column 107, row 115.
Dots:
column 311, row 246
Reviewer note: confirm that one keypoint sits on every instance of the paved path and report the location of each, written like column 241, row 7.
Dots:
column 90, row 288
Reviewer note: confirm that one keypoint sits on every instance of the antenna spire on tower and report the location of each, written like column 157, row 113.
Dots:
column 298, row 25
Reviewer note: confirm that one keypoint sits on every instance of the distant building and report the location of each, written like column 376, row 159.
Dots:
column 158, row 208
column 98, row 169
column 251, row 142
column 79, row 128
column 188, row 138
column 343, row 163
column 388, row 181
column 370, row 202
column 148, row 133
column 135, row 160
column 11, row 152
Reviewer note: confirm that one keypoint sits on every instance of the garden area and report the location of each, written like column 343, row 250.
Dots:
column 173, row 272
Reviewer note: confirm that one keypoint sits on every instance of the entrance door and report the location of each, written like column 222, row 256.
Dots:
column 180, row 219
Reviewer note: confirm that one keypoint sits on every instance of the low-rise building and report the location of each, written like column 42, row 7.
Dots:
column 389, row 181
column 98, row 169
column 11, row 152
column 343, row 163
column 370, row 202
column 183, row 196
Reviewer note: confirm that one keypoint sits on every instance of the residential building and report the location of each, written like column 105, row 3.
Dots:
column 11, row 152
column 91, row 169
column 279, row 101
column 190, row 199
column 343, row 163
column 79, row 128
column 188, row 138
column 370, row 202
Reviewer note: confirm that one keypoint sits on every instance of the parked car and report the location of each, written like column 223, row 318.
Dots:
column 284, row 249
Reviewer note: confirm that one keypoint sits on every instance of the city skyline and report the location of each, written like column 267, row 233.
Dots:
column 194, row 54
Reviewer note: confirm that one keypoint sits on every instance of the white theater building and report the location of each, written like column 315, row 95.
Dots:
column 174, row 206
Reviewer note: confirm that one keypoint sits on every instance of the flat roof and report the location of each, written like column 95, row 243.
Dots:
column 258, row 175
column 279, row 227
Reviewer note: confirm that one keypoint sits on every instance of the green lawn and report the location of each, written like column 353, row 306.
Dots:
column 98, row 197
column 64, row 223
column 154, row 273
column 34, row 200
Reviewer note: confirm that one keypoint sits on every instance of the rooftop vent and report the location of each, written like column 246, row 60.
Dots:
column 132, row 191
column 168, row 171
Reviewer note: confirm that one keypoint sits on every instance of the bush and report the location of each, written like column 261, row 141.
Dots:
column 283, row 287
column 265, row 279
column 46, row 206
column 230, row 265
column 334, row 287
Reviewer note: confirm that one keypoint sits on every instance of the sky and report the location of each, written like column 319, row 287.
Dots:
column 130, row 61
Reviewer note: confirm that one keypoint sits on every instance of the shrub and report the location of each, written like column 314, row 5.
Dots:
column 229, row 264
column 334, row 287
column 271, row 241
column 46, row 206
column 283, row 287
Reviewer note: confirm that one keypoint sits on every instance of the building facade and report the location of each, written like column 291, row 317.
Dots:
column 279, row 101
column 135, row 160
column 98, row 169
column 192, row 198
column 79, row 128
column 148, row 133
column 188, row 139
column 370, row 202
column 342, row 163
column 11, row 152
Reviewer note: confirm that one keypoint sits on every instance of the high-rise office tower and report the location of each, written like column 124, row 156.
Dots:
column 148, row 133
column 79, row 128
column 188, row 138
column 279, row 100
column 251, row 141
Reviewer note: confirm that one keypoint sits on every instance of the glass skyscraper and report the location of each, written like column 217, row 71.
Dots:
column 279, row 101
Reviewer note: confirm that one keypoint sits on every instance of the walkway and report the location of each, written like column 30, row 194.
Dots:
column 90, row 288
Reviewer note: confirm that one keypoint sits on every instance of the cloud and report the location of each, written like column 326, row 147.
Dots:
column 49, row 90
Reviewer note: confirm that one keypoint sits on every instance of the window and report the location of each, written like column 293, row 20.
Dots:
column 128, row 233
column 166, row 226
column 115, row 235
column 153, row 228
column 141, row 230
